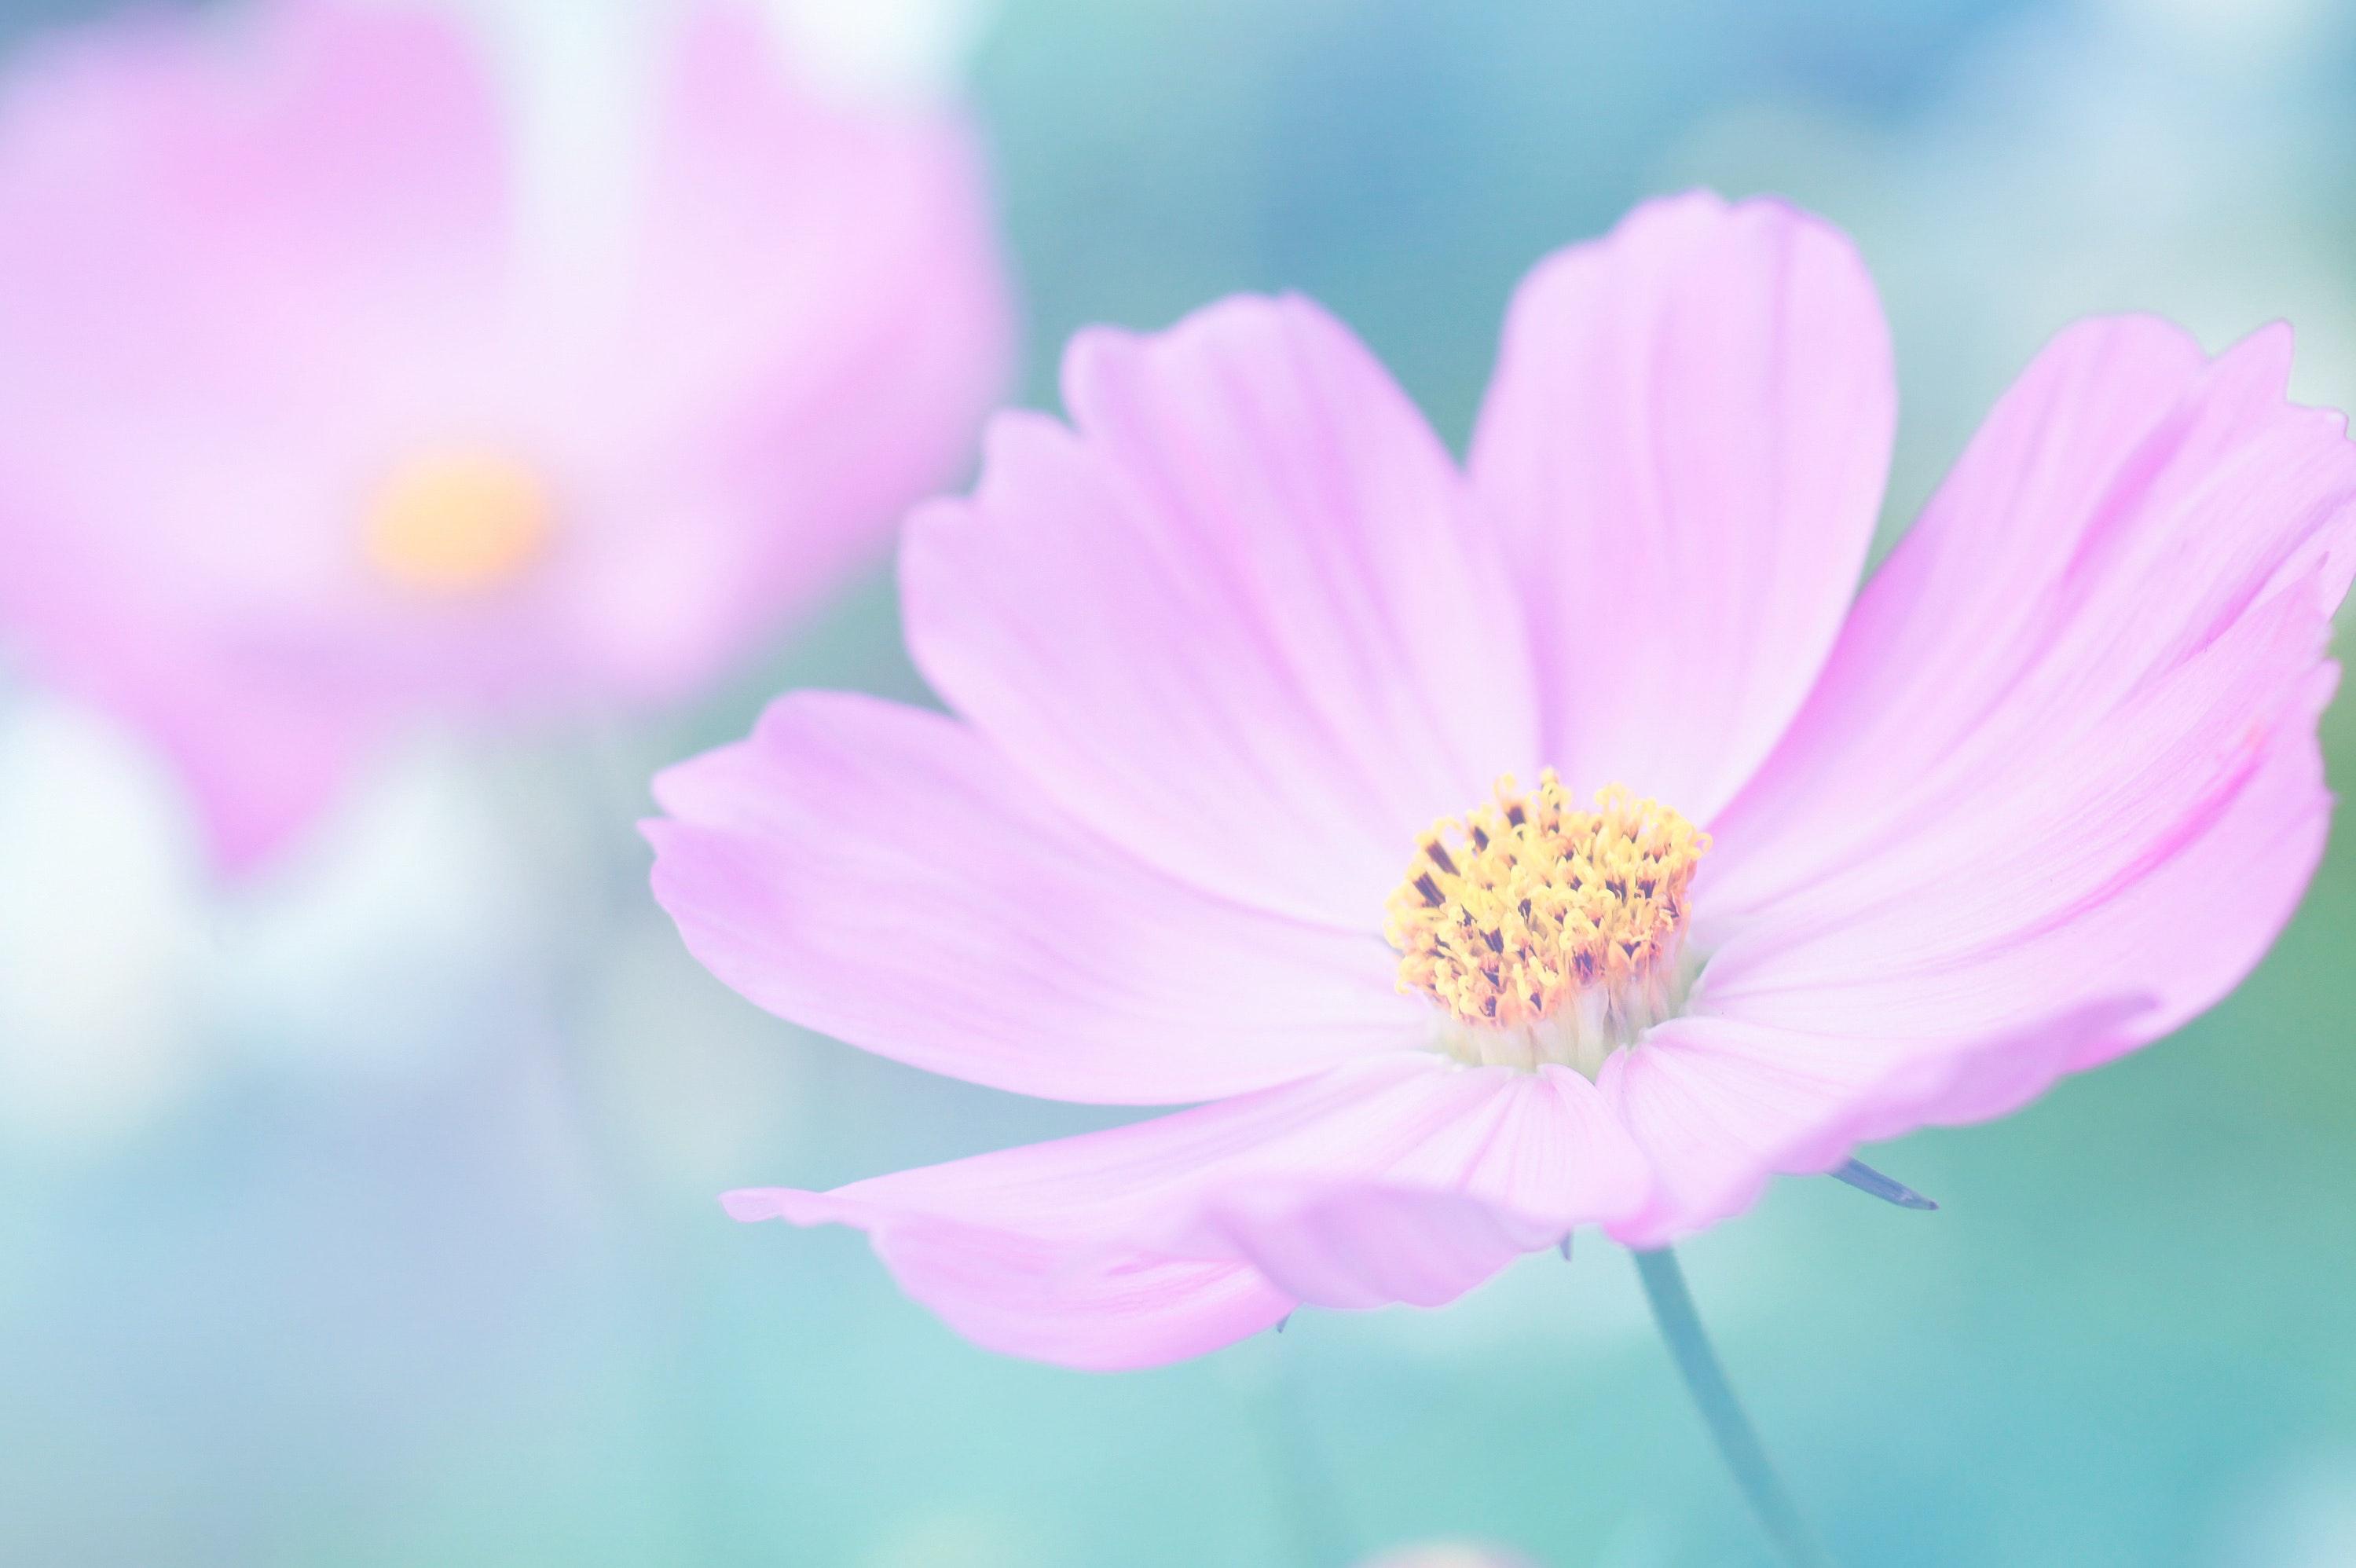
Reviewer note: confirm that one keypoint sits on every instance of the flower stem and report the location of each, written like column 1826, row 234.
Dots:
column 1738, row 1440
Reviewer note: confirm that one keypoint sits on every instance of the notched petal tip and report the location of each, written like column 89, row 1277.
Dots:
column 1865, row 1180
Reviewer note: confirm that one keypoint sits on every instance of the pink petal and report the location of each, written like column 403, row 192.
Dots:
column 2203, row 792
column 1949, row 1027
column 1960, row 981
column 1014, row 1294
column 1405, row 1178
column 262, row 764
column 213, row 198
column 1686, row 441
column 2124, row 503
column 2100, row 653
column 1719, row 1105
column 2059, row 791
column 883, row 875
column 1243, row 620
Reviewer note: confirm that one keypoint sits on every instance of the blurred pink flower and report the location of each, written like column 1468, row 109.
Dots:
column 307, row 435
column 1222, row 651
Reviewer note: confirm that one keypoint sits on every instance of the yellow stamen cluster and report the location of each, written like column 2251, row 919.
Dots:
column 1530, row 911
column 458, row 522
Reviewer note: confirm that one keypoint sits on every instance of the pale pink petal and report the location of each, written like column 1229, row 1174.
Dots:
column 260, row 743
column 1017, row 1296
column 884, row 875
column 2112, row 783
column 261, row 763
column 1874, row 1033
column 2160, row 851
column 1686, row 441
column 1243, row 620
column 2072, row 832
column 1718, row 1106
column 1407, row 1178
column 1545, row 1156
column 2157, row 869
column 206, row 193
column 2124, row 504
column 1955, row 977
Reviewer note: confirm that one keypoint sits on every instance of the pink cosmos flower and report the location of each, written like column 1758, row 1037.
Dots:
column 1800, row 872
column 311, row 430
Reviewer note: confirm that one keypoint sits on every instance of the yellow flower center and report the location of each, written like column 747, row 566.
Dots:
column 458, row 522
column 1547, row 933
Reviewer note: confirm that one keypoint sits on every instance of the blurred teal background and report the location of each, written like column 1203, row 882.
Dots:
column 367, row 1217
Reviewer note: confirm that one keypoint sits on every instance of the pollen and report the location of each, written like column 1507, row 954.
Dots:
column 458, row 522
column 1547, row 932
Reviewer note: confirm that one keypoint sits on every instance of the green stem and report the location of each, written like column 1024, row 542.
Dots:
column 1738, row 1440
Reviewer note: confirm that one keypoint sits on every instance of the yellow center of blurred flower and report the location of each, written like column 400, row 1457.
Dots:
column 1545, row 932
column 458, row 522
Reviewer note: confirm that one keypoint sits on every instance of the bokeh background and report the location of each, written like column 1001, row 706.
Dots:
column 364, row 1215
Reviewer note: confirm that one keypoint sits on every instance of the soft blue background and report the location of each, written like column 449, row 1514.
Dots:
column 458, row 1293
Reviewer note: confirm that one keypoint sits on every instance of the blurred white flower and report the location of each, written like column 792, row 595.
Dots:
column 892, row 50
column 102, row 941
column 581, row 76
column 390, row 945
column 127, row 974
